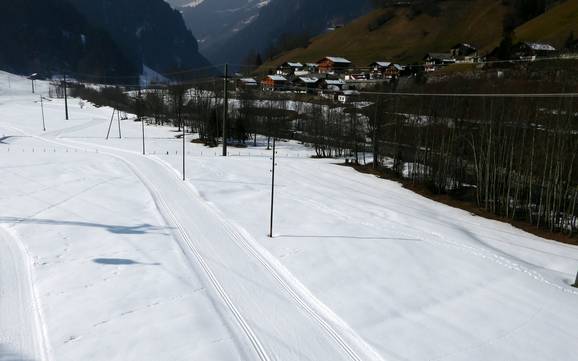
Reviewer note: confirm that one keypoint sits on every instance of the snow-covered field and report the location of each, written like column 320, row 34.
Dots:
column 106, row 254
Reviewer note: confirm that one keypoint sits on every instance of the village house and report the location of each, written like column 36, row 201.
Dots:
column 305, row 84
column 433, row 61
column 246, row 83
column 385, row 70
column 274, row 82
column 333, row 85
column 312, row 68
column 289, row 68
column 530, row 50
column 333, row 64
column 464, row 53
column 347, row 96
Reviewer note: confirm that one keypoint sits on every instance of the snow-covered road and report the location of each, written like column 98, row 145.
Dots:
column 130, row 262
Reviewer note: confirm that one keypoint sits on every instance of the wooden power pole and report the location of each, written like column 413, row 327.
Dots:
column 225, row 109
column 65, row 97
column 272, row 191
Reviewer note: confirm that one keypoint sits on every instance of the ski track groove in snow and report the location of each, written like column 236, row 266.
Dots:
column 320, row 313
column 165, row 211
column 39, row 339
column 336, row 329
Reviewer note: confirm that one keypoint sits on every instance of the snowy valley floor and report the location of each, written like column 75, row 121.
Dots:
column 106, row 254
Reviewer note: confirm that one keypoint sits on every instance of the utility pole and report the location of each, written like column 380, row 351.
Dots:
column 272, row 191
column 576, row 283
column 42, row 107
column 110, row 124
column 118, row 120
column 141, row 121
column 32, row 77
column 225, row 109
column 184, row 148
column 65, row 97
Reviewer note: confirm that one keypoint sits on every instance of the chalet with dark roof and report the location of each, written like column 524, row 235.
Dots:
column 385, row 70
column 432, row 61
column 289, row 68
column 527, row 50
column 464, row 53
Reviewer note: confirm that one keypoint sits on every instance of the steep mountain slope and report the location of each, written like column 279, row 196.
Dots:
column 149, row 31
column 279, row 17
column 50, row 36
column 215, row 21
column 396, row 34
column 554, row 26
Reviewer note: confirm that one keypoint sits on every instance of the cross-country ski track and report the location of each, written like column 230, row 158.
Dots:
column 212, row 242
column 25, row 337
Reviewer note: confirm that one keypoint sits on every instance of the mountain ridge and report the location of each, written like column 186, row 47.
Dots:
column 245, row 26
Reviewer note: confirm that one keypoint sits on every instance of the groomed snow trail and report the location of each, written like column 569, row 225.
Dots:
column 22, row 336
column 280, row 318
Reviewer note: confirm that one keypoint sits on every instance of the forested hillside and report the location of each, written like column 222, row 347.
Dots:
column 50, row 36
column 149, row 32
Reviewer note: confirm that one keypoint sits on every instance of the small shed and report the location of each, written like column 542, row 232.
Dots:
column 347, row 96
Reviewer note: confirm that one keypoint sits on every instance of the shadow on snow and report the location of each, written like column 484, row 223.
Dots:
column 121, row 262
column 116, row 229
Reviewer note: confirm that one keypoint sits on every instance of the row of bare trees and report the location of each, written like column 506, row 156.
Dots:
column 512, row 156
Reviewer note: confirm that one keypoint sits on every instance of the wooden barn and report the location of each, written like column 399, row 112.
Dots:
column 333, row 64
column 274, row 82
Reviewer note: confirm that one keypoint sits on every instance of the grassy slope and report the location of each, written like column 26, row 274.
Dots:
column 554, row 26
column 405, row 40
